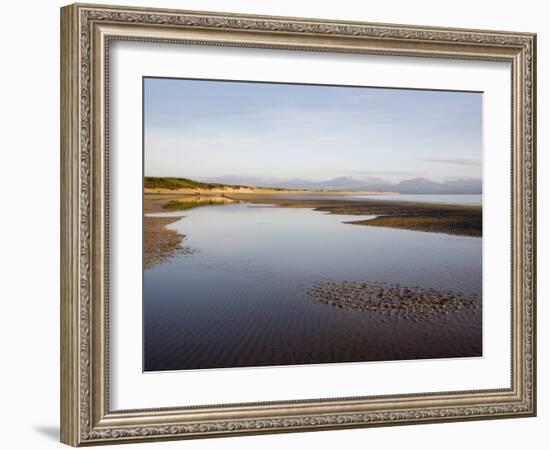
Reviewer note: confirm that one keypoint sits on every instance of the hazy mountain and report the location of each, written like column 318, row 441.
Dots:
column 410, row 186
column 425, row 186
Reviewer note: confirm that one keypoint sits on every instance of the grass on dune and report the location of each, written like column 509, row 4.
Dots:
column 179, row 183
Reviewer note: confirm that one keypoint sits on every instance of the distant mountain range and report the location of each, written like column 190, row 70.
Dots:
column 410, row 186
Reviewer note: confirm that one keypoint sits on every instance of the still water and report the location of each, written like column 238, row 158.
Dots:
column 448, row 199
column 239, row 299
column 445, row 199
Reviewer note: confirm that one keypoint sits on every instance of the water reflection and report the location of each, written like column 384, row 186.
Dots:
column 183, row 203
column 241, row 301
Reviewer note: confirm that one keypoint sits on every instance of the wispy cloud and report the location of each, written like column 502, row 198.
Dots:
column 208, row 129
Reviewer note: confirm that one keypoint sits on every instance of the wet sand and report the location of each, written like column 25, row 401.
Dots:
column 458, row 224
column 160, row 243
column 396, row 302
column 460, row 220
column 234, row 329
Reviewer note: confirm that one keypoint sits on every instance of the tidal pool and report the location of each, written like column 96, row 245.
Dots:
column 242, row 298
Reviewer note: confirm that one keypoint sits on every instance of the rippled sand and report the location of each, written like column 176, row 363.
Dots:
column 160, row 243
column 393, row 301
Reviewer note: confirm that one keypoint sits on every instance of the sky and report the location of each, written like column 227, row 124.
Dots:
column 209, row 129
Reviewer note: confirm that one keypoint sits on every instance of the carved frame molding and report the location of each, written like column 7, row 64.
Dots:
column 86, row 32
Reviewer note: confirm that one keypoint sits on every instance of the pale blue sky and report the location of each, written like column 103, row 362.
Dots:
column 205, row 129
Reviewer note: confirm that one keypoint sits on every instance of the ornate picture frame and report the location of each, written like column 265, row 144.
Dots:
column 87, row 32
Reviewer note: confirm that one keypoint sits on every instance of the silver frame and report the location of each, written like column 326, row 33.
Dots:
column 86, row 33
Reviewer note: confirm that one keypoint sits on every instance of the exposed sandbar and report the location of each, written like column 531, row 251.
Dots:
column 160, row 243
column 393, row 301
column 457, row 224
column 461, row 220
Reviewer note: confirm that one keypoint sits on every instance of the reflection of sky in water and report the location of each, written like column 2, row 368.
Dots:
column 238, row 297
column 300, row 244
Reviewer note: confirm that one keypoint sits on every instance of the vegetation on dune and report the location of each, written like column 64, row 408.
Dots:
column 181, row 183
column 172, row 183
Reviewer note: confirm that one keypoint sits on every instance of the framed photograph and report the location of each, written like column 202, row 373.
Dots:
column 276, row 224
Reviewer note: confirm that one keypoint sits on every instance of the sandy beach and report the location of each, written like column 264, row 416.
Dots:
column 257, row 191
column 322, row 234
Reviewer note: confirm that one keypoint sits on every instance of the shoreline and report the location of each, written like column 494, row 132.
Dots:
column 458, row 220
column 161, row 243
column 257, row 191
